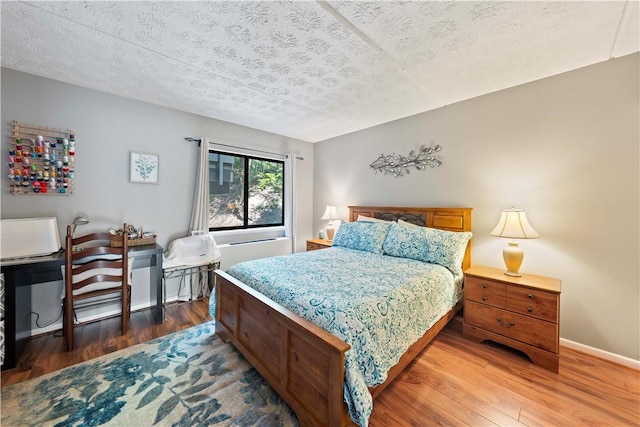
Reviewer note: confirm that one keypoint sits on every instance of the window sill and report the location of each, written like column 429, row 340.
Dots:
column 239, row 236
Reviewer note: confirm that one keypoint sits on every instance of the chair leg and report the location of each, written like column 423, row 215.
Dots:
column 67, row 320
column 64, row 322
column 126, row 308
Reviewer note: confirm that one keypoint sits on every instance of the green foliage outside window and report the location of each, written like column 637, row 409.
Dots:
column 249, row 192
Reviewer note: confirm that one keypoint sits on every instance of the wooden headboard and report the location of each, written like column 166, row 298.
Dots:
column 452, row 219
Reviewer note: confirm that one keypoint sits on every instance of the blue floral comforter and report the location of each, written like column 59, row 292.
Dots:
column 378, row 304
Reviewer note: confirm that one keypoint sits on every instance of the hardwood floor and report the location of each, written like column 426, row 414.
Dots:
column 47, row 353
column 458, row 382
column 452, row 382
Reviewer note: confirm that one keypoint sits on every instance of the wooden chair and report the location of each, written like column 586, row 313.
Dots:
column 96, row 265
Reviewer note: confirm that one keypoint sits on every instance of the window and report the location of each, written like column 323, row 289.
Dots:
column 245, row 191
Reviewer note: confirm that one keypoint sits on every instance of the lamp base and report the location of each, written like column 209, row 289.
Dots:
column 513, row 274
column 513, row 256
column 330, row 231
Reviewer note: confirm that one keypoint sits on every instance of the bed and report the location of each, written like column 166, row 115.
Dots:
column 332, row 339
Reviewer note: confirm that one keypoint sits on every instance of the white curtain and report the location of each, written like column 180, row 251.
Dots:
column 290, row 218
column 200, row 211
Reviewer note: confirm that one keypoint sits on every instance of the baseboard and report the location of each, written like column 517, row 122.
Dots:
column 601, row 354
column 57, row 326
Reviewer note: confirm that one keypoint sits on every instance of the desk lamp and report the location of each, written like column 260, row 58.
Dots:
column 513, row 224
column 79, row 220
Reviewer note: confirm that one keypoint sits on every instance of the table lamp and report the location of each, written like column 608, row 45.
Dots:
column 513, row 224
column 330, row 213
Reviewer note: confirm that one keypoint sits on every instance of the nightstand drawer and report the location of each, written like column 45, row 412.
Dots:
column 485, row 291
column 543, row 305
column 519, row 327
column 315, row 244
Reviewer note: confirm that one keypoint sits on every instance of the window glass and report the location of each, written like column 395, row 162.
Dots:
column 245, row 192
column 266, row 179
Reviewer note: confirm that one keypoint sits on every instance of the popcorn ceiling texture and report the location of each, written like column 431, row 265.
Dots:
column 310, row 70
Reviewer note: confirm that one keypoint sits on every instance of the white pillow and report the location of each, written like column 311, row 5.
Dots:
column 403, row 222
column 100, row 285
column 363, row 218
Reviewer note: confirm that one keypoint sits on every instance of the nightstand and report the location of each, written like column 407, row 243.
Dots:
column 519, row 312
column 315, row 244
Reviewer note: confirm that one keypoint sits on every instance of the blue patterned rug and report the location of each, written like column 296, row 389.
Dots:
column 189, row 378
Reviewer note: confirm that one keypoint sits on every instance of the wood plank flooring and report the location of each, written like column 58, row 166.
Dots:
column 47, row 353
column 458, row 382
column 452, row 382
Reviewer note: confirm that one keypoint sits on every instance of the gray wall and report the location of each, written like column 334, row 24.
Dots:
column 107, row 128
column 565, row 149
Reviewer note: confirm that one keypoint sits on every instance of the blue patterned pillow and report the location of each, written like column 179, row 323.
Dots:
column 447, row 248
column 364, row 236
column 406, row 242
column 432, row 245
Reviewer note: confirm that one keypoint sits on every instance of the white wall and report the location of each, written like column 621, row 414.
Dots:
column 107, row 128
column 234, row 253
column 565, row 149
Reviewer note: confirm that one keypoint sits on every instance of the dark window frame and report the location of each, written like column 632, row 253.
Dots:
column 246, row 226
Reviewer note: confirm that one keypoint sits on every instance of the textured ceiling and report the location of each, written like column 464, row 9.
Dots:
column 311, row 70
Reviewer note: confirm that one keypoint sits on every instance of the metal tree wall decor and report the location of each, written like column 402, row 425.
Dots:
column 397, row 165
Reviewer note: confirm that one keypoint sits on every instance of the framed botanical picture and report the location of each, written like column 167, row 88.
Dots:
column 143, row 167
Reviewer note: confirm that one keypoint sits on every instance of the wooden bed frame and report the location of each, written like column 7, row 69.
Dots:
column 301, row 361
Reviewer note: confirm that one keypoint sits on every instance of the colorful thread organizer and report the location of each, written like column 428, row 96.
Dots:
column 41, row 160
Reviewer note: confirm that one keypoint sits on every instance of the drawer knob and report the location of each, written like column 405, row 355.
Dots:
column 505, row 325
column 530, row 296
column 484, row 298
column 484, row 286
column 529, row 309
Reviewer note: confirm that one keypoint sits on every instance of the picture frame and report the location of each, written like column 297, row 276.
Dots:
column 143, row 167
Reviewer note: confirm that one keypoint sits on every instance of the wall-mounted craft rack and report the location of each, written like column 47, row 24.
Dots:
column 41, row 160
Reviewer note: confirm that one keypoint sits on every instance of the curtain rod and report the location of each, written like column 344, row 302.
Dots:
column 189, row 139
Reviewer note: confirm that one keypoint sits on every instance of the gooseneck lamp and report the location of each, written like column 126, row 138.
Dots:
column 79, row 220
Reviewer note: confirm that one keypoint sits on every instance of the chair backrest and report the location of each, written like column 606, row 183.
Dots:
column 95, row 263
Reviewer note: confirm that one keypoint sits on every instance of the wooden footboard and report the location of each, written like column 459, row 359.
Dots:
column 301, row 361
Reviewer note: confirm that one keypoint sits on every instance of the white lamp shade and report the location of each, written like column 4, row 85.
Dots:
column 330, row 213
column 514, row 224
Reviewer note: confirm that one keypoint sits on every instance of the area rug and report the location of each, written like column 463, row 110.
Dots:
column 189, row 378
